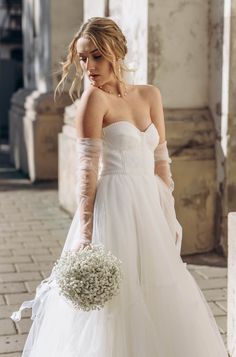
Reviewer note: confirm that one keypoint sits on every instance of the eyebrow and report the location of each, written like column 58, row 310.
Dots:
column 81, row 53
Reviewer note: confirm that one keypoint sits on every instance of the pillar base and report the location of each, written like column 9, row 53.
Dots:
column 35, row 121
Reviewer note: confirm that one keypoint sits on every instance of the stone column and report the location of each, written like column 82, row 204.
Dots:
column 36, row 44
column 35, row 121
column 48, row 27
column 132, row 17
column 217, row 82
column 67, row 162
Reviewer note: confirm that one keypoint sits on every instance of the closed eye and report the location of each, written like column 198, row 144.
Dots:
column 85, row 58
column 97, row 57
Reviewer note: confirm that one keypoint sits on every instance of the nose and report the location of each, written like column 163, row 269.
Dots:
column 90, row 65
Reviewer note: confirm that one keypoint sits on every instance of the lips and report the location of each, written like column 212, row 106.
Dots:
column 93, row 76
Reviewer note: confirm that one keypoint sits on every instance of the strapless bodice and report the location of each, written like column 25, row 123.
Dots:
column 128, row 150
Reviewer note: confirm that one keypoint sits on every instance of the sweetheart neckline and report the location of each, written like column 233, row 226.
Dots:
column 128, row 122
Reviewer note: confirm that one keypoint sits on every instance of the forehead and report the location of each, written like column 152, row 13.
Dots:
column 85, row 45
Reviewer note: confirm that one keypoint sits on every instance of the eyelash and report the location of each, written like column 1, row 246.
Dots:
column 95, row 57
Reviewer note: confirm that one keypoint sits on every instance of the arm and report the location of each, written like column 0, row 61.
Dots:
column 89, row 118
column 161, row 155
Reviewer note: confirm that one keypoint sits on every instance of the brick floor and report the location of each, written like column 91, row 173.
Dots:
column 32, row 233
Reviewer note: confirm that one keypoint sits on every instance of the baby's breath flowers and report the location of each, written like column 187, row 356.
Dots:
column 89, row 277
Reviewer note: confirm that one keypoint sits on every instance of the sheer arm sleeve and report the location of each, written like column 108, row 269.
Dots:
column 88, row 152
column 162, row 164
column 165, row 186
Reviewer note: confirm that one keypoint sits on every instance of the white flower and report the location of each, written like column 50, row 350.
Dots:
column 89, row 277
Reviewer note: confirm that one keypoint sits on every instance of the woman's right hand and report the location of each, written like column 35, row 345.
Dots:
column 80, row 245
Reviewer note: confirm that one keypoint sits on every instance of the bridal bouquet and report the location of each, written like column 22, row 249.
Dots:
column 88, row 278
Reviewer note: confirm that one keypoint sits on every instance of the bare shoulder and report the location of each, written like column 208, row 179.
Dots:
column 154, row 98
column 91, row 108
column 149, row 92
column 91, row 99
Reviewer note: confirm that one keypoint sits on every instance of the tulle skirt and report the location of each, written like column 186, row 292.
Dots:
column 160, row 310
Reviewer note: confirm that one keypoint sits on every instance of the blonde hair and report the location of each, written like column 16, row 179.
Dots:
column 111, row 43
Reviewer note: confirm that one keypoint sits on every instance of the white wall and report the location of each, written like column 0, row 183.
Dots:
column 131, row 16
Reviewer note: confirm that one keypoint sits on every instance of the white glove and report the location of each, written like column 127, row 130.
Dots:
column 162, row 164
column 88, row 151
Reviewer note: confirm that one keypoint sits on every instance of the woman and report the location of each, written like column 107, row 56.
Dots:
column 126, row 204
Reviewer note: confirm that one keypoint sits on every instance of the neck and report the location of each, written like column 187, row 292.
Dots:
column 115, row 87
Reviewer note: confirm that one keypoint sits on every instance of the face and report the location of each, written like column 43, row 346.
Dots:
column 97, row 68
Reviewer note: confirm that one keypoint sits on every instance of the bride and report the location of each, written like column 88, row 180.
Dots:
column 124, row 194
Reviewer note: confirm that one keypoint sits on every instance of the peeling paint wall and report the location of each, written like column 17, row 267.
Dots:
column 185, row 62
column 191, row 138
column 231, row 160
column 178, row 50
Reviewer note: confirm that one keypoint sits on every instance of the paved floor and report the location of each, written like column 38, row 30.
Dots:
column 32, row 232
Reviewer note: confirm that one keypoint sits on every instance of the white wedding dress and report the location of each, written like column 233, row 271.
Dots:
column 160, row 310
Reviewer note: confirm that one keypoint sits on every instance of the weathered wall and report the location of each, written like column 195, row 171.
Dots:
column 191, row 138
column 181, row 62
column 231, row 160
column 216, row 91
column 216, row 22
column 178, row 49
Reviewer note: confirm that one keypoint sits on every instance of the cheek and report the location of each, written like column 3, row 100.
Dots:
column 108, row 67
